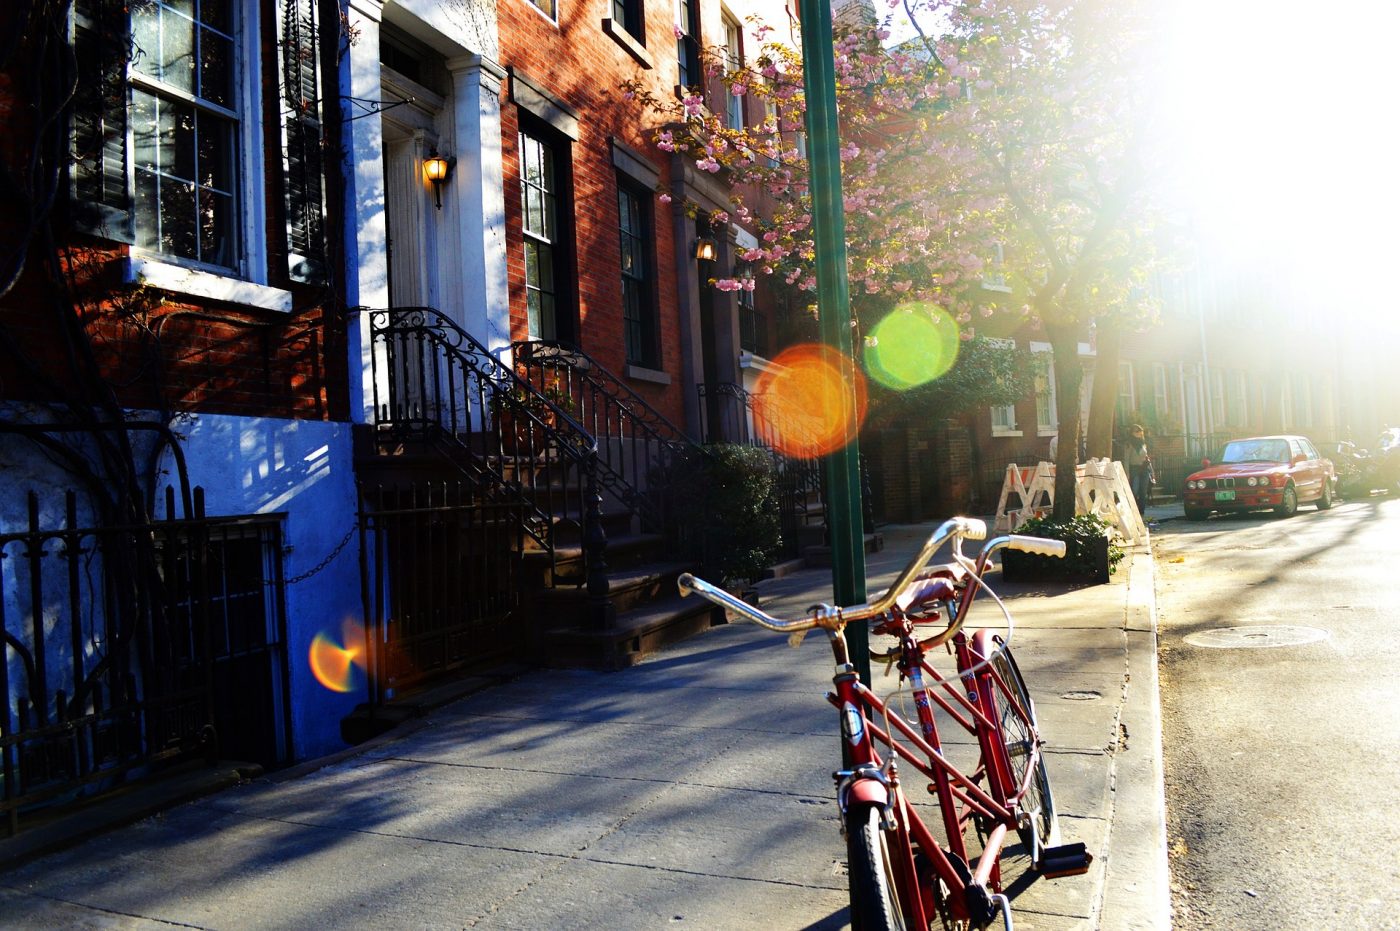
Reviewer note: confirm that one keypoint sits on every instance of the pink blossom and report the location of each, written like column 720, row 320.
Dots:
column 693, row 103
column 676, row 28
column 737, row 89
column 707, row 164
column 664, row 198
column 664, row 142
column 967, row 334
column 751, row 255
column 902, row 286
column 727, row 284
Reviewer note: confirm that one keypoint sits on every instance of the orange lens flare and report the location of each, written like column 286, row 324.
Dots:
column 332, row 663
column 811, row 403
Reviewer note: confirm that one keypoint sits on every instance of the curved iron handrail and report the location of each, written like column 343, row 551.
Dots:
column 433, row 380
column 633, row 437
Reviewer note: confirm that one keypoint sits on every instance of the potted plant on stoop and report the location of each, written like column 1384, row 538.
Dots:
column 1091, row 555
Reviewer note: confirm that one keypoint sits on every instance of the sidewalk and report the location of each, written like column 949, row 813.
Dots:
column 693, row 790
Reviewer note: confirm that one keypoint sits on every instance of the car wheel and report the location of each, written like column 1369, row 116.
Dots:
column 1289, row 507
column 1197, row 513
column 1325, row 502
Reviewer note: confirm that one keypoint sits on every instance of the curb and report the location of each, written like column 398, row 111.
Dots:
column 1137, row 885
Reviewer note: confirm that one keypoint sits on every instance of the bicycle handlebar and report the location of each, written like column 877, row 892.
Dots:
column 831, row 618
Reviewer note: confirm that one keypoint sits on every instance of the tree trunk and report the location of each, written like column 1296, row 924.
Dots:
column 1069, row 378
column 1104, row 396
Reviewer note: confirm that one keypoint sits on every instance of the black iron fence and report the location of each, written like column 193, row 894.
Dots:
column 128, row 647
column 441, row 572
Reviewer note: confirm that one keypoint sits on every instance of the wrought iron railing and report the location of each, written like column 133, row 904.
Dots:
column 727, row 415
column 635, row 442
column 126, row 647
column 442, row 584
column 432, row 381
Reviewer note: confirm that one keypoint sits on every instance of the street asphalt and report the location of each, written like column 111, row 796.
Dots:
column 693, row 790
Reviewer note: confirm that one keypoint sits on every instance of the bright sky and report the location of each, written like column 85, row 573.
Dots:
column 1281, row 127
column 1285, row 136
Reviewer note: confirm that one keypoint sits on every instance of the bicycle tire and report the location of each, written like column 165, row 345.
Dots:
column 1044, row 829
column 874, row 898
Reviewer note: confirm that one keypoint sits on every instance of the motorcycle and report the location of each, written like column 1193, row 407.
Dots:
column 1360, row 472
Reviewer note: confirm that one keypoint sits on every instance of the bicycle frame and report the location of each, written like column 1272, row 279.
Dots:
column 961, row 796
column 910, row 856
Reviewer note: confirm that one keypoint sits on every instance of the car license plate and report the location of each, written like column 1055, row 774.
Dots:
column 1224, row 496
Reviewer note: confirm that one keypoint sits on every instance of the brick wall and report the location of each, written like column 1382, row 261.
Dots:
column 69, row 324
column 584, row 67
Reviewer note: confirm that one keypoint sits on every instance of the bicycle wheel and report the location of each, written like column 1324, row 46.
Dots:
column 1017, row 736
column 873, row 895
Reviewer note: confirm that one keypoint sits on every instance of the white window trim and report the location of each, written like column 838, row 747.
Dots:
column 997, row 280
column 195, row 282
column 999, row 430
column 1052, row 429
column 249, row 202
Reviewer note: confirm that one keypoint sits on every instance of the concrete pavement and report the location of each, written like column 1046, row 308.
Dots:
column 693, row 790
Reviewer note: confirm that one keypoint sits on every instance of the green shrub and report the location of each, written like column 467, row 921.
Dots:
column 1080, row 535
column 725, row 510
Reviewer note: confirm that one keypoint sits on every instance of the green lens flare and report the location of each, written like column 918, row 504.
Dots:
column 914, row 345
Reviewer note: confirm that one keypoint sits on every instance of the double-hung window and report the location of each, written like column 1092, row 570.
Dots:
column 635, row 236
column 1003, row 415
column 167, row 145
column 539, row 194
column 185, row 130
column 1127, row 395
column 1047, row 419
column 733, row 61
column 689, row 74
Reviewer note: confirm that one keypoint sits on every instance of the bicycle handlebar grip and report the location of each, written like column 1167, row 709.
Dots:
column 686, row 583
column 1038, row 545
column 973, row 529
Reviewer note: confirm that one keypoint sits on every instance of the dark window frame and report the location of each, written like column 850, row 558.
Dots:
column 690, row 72
column 555, row 245
column 636, row 226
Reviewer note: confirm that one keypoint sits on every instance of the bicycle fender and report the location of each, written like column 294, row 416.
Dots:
column 982, row 645
column 868, row 791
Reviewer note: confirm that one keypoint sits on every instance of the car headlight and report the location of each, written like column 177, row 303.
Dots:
column 1193, row 485
column 1251, row 481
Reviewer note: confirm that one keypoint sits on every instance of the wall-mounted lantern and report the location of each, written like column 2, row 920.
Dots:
column 705, row 249
column 438, row 168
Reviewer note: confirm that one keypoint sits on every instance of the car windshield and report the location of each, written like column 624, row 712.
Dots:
column 1255, row 451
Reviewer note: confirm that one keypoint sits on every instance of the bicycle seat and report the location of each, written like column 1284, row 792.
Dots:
column 924, row 592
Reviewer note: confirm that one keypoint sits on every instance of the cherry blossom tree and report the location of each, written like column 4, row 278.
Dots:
column 1006, row 130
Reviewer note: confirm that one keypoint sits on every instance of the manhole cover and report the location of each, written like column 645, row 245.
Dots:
column 1261, row 635
column 1088, row 695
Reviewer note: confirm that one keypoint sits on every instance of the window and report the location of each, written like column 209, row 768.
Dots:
column 1127, row 395
column 167, row 151
column 628, row 15
column 753, row 325
column 733, row 60
column 540, row 186
column 1302, row 400
column 185, row 131
column 1004, row 415
column 688, row 43
column 547, row 7
column 1235, row 399
column 1217, row 399
column 1161, row 393
column 1046, row 415
column 995, row 277
column 635, row 224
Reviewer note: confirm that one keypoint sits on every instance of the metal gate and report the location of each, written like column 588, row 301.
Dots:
column 440, row 564
column 123, row 648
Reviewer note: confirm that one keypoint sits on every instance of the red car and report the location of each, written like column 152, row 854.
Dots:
column 1278, row 472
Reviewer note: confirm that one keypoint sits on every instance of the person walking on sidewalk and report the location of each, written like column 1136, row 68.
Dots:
column 1139, row 466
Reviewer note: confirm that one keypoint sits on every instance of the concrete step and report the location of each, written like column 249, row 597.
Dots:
column 631, row 635
column 819, row 557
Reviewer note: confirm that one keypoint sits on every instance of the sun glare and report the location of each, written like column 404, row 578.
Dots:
column 1280, row 141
